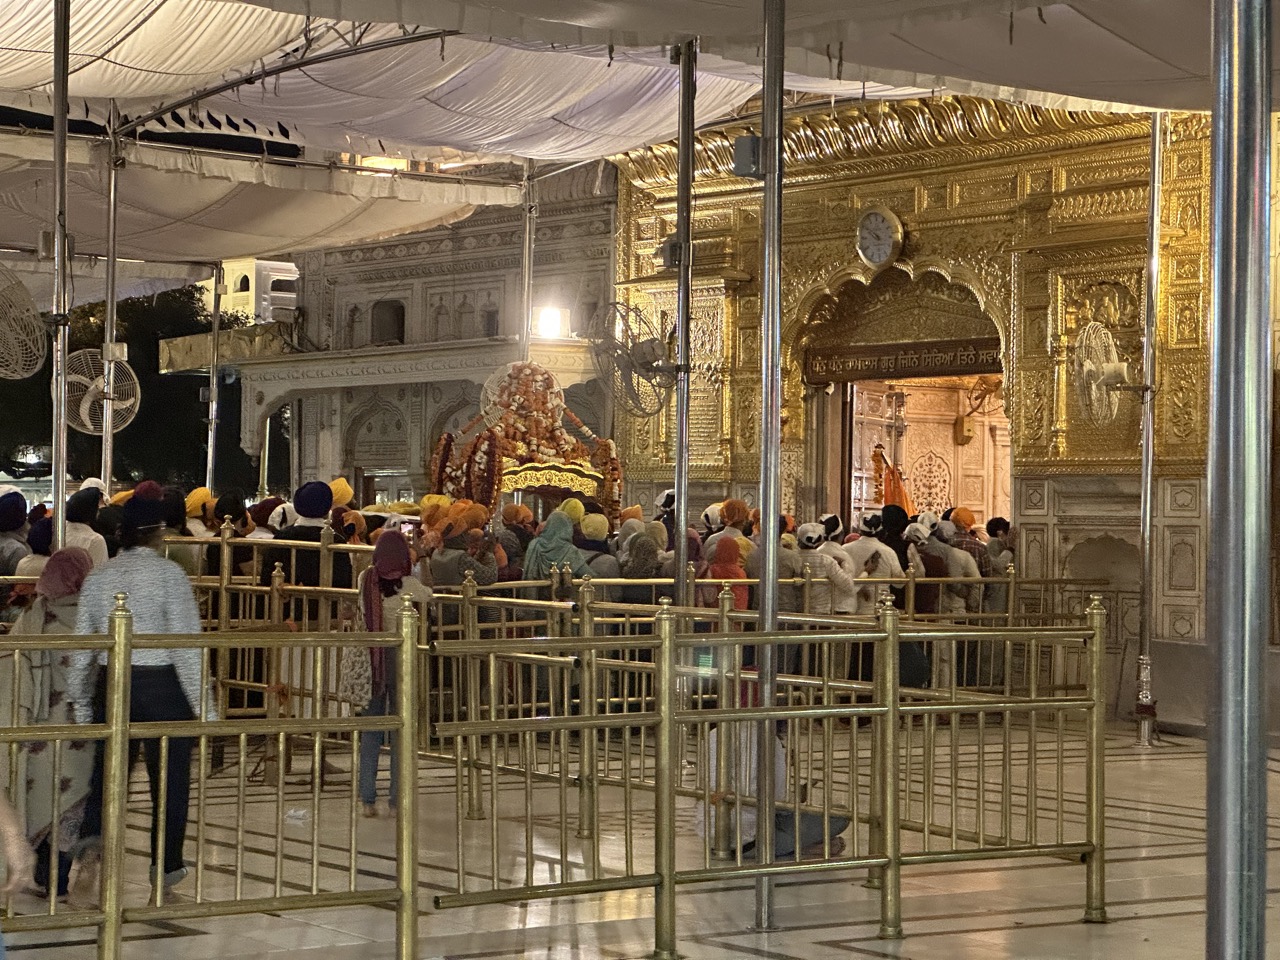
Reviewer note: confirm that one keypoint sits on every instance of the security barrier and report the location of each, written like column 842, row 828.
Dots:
column 628, row 725
column 235, row 870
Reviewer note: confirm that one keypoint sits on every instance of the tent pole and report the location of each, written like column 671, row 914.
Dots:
column 114, row 162
column 61, row 306
column 218, row 287
column 1144, row 709
column 687, row 55
column 771, row 150
column 1239, row 482
column 526, row 256
column 264, row 460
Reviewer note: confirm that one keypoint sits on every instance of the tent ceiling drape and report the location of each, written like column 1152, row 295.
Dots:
column 1151, row 53
column 178, row 206
column 134, row 278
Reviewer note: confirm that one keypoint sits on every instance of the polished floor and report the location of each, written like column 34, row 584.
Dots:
column 1022, row 910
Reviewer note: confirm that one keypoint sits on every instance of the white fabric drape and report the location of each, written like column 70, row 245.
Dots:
column 1152, row 53
column 178, row 206
column 89, row 278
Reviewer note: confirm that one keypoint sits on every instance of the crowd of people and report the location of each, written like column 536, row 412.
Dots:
column 116, row 545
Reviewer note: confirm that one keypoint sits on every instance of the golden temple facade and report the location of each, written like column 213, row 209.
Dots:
column 1024, row 231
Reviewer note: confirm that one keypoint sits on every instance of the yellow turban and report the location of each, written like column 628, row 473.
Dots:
column 434, row 507
column 574, row 510
column 196, row 500
column 121, row 498
column 342, row 492
column 633, row 512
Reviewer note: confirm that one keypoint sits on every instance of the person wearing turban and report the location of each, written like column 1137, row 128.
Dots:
column 733, row 515
column 82, row 514
column 42, row 700
column 260, row 513
column 342, row 492
column 13, row 532
column 633, row 512
column 595, row 550
column 197, row 500
column 312, row 501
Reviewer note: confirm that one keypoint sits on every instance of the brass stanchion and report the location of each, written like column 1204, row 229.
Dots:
column 587, row 708
column 471, row 634
column 407, row 791
column 1095, row 910
column 115, row 776
column 890, row 834
column 664, row 808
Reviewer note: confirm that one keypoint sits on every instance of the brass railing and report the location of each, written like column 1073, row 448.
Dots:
column 920, row 775
column 264, row 872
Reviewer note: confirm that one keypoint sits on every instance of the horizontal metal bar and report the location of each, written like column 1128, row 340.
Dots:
column 58, row 731
column 287, row 725
column 68, row 920
column 226, row 908
column 1069, row 850
column 482, row 728
column 735, row 872
column 571, row 888
column 1003, row 706
column 218, row 641
column 724, row 714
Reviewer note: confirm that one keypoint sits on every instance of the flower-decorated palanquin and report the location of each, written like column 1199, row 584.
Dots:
column 519, row 441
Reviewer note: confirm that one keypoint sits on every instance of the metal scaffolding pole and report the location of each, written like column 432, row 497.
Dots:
column 114, row 162
column 212, row 440
column 528, row 187
column 1145, row 706
column 61, row 303
column 264, row 461
column 687, row 55
column 771, row 151
column 1239, row 481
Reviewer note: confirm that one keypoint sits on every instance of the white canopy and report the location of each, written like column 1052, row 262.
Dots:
column 1152, row 53
column 432, row 99
column 179, row 206
column 89, row 278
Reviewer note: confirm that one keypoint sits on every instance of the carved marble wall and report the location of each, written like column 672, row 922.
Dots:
column 461, row 287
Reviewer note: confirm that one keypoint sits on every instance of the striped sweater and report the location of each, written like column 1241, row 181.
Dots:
column 160, row 600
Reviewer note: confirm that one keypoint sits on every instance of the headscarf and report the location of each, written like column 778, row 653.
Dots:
column 745, row 546
column 64, row 574
column 554, row 545
column 694, row 540
column 642, row 558
column 916, row 533
column 354, row 526
column 894, row 521
column 726, row 564
column 628, row 530
column 391, row 564
column 260, row 513
column 511, row 546
column 657, row 531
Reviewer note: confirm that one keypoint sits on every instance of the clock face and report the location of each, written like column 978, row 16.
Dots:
column 877, row 238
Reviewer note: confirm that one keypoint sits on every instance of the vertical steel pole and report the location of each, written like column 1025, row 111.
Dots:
column 407, row 786
column 1144, row 709
column 61, row 302
column 687, row 55
column 264, row 461
column 667, row 771
column 115, row 162
column 212, row 441
column 528, row 186
column 1239, row 482
column 771, row 149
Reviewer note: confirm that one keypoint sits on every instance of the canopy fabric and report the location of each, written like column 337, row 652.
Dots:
column 438, row 99
column 180, row 206
column 89, row 278
column 1148, row 53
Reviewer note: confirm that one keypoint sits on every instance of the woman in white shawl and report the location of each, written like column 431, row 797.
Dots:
column 41, row 688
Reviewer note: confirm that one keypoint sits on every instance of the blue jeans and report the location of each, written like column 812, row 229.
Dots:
column 371, row 741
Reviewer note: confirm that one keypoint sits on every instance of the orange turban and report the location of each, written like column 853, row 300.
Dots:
column 634, row 512
column 963, row 518
column 733, row 513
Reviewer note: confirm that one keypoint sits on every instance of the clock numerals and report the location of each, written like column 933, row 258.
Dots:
column 877, row 237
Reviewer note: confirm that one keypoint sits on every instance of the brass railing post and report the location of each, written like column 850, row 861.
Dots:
column 807, row 590
column 721, row 846
column 890, row 831
column 666, row 742
column 909, row 601
column 407, row 788
column 224, row 579
column 277, row 594
column 1011, row 602
column 326, row 577
column 587, row 709
column 471, row 632
column 115, row 779
column 1095, row 910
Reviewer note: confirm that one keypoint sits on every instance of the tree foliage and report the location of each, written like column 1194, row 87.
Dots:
column 167, row 439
